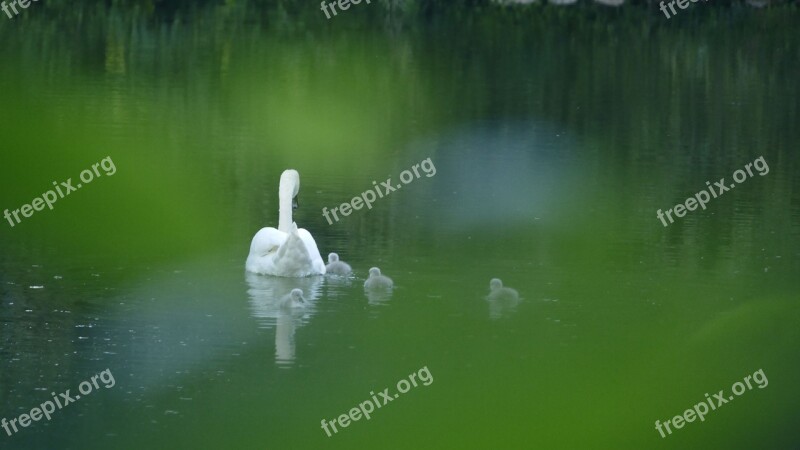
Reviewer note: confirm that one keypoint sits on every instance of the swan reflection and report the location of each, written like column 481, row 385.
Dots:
column 378, row 296
column 271, row 304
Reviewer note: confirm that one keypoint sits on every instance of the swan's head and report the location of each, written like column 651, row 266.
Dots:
column 332, row 257
column 290, row 182
column 374, row 272
column 297, row 295
column 495, row 284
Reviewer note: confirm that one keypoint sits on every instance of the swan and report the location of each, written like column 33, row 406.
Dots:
column 293, row 299
column 337, row 267
column 499, row 293
column 287, row 251
column 503, row 301
column 377, row 281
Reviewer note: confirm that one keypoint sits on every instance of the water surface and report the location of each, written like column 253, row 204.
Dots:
column 553, row 152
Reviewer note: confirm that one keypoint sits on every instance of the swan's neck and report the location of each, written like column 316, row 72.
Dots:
column 285, row 194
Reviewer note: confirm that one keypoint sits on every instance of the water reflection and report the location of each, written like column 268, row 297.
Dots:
column 378, row 296
column 265, row 295
column 530, row 157
column 338, row 286
column 284, row 338
column 500, row 308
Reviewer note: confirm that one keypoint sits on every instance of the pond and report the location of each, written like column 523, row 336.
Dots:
column 553, row 150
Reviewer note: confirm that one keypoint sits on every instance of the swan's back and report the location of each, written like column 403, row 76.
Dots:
column 313, row 251
column 265, row 240
column 378, row 281
column 264, row 247
column 504, row 294
column 337, row 267
column 291, row 258
column 497, row 292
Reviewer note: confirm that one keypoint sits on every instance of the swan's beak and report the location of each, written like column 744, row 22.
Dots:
column 295, row 202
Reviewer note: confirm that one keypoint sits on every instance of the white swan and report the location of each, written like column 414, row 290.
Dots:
column 336, row 267
column 502, row 301
column 287, row 251
column 377, row 281
column 293, row 299
column 499, row 293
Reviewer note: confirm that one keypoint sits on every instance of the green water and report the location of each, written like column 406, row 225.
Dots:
column 553, row 148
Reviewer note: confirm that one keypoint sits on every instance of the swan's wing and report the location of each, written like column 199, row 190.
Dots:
column 263, row 248
column 313, row 251
column 294, row 259
column 267, row 240
column 292, row 254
